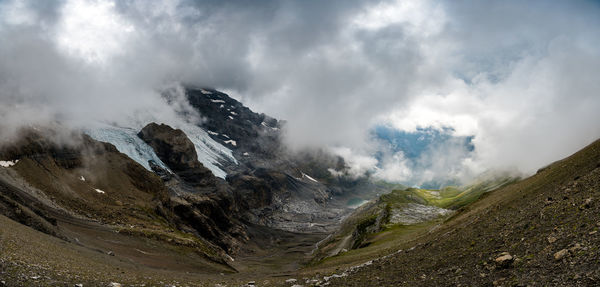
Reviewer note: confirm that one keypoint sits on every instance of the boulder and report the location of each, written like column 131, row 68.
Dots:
column 505, row 259
column 561, row 254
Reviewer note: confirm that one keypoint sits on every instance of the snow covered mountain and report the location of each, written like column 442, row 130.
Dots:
column 244, row 150
column 230, row 132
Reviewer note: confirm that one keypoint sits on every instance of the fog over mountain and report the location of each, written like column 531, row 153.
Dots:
column 520, row 80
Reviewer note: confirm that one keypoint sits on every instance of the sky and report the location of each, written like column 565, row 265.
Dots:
column 518, row 77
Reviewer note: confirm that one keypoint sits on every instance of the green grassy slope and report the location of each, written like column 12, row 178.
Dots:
column 371, row 229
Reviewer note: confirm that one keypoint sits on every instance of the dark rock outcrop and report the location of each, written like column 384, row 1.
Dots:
column 176, row 150
column 250, row 191
column 209, row 209
column 204, row 216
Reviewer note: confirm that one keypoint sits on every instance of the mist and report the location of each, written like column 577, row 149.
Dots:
column 519, row 78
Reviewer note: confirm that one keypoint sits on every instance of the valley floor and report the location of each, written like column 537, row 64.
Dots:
column 32, row 258
column 541, row 231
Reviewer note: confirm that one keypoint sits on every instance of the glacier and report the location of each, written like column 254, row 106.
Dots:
column 126, row 141
column 210, row 153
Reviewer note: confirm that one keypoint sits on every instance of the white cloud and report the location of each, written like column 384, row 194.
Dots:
column 16, row 13
column 421, row 17
column 358, row 163
column 541, row 110
column 519, row 76
column 92, row 30
column 394, row 168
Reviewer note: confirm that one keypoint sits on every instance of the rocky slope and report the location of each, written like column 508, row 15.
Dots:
column 541, row 231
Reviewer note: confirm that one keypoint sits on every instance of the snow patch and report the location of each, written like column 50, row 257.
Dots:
column 205, row 92
column 231, row 142
column 210, row 153
column 233, row 113
column 265, row 125
column 100, row 191
column 245, row 154
column 82, row 178
column 310, row 178
column 217, row 101
column 8, row 163
column 212, row 133
column 230, row 117
column 221, row 106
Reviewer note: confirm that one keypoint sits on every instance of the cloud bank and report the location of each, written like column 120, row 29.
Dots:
column 520, row 78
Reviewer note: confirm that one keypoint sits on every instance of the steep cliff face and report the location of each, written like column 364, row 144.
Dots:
column 207, row 207
column 176, row 150
column 171, row 145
